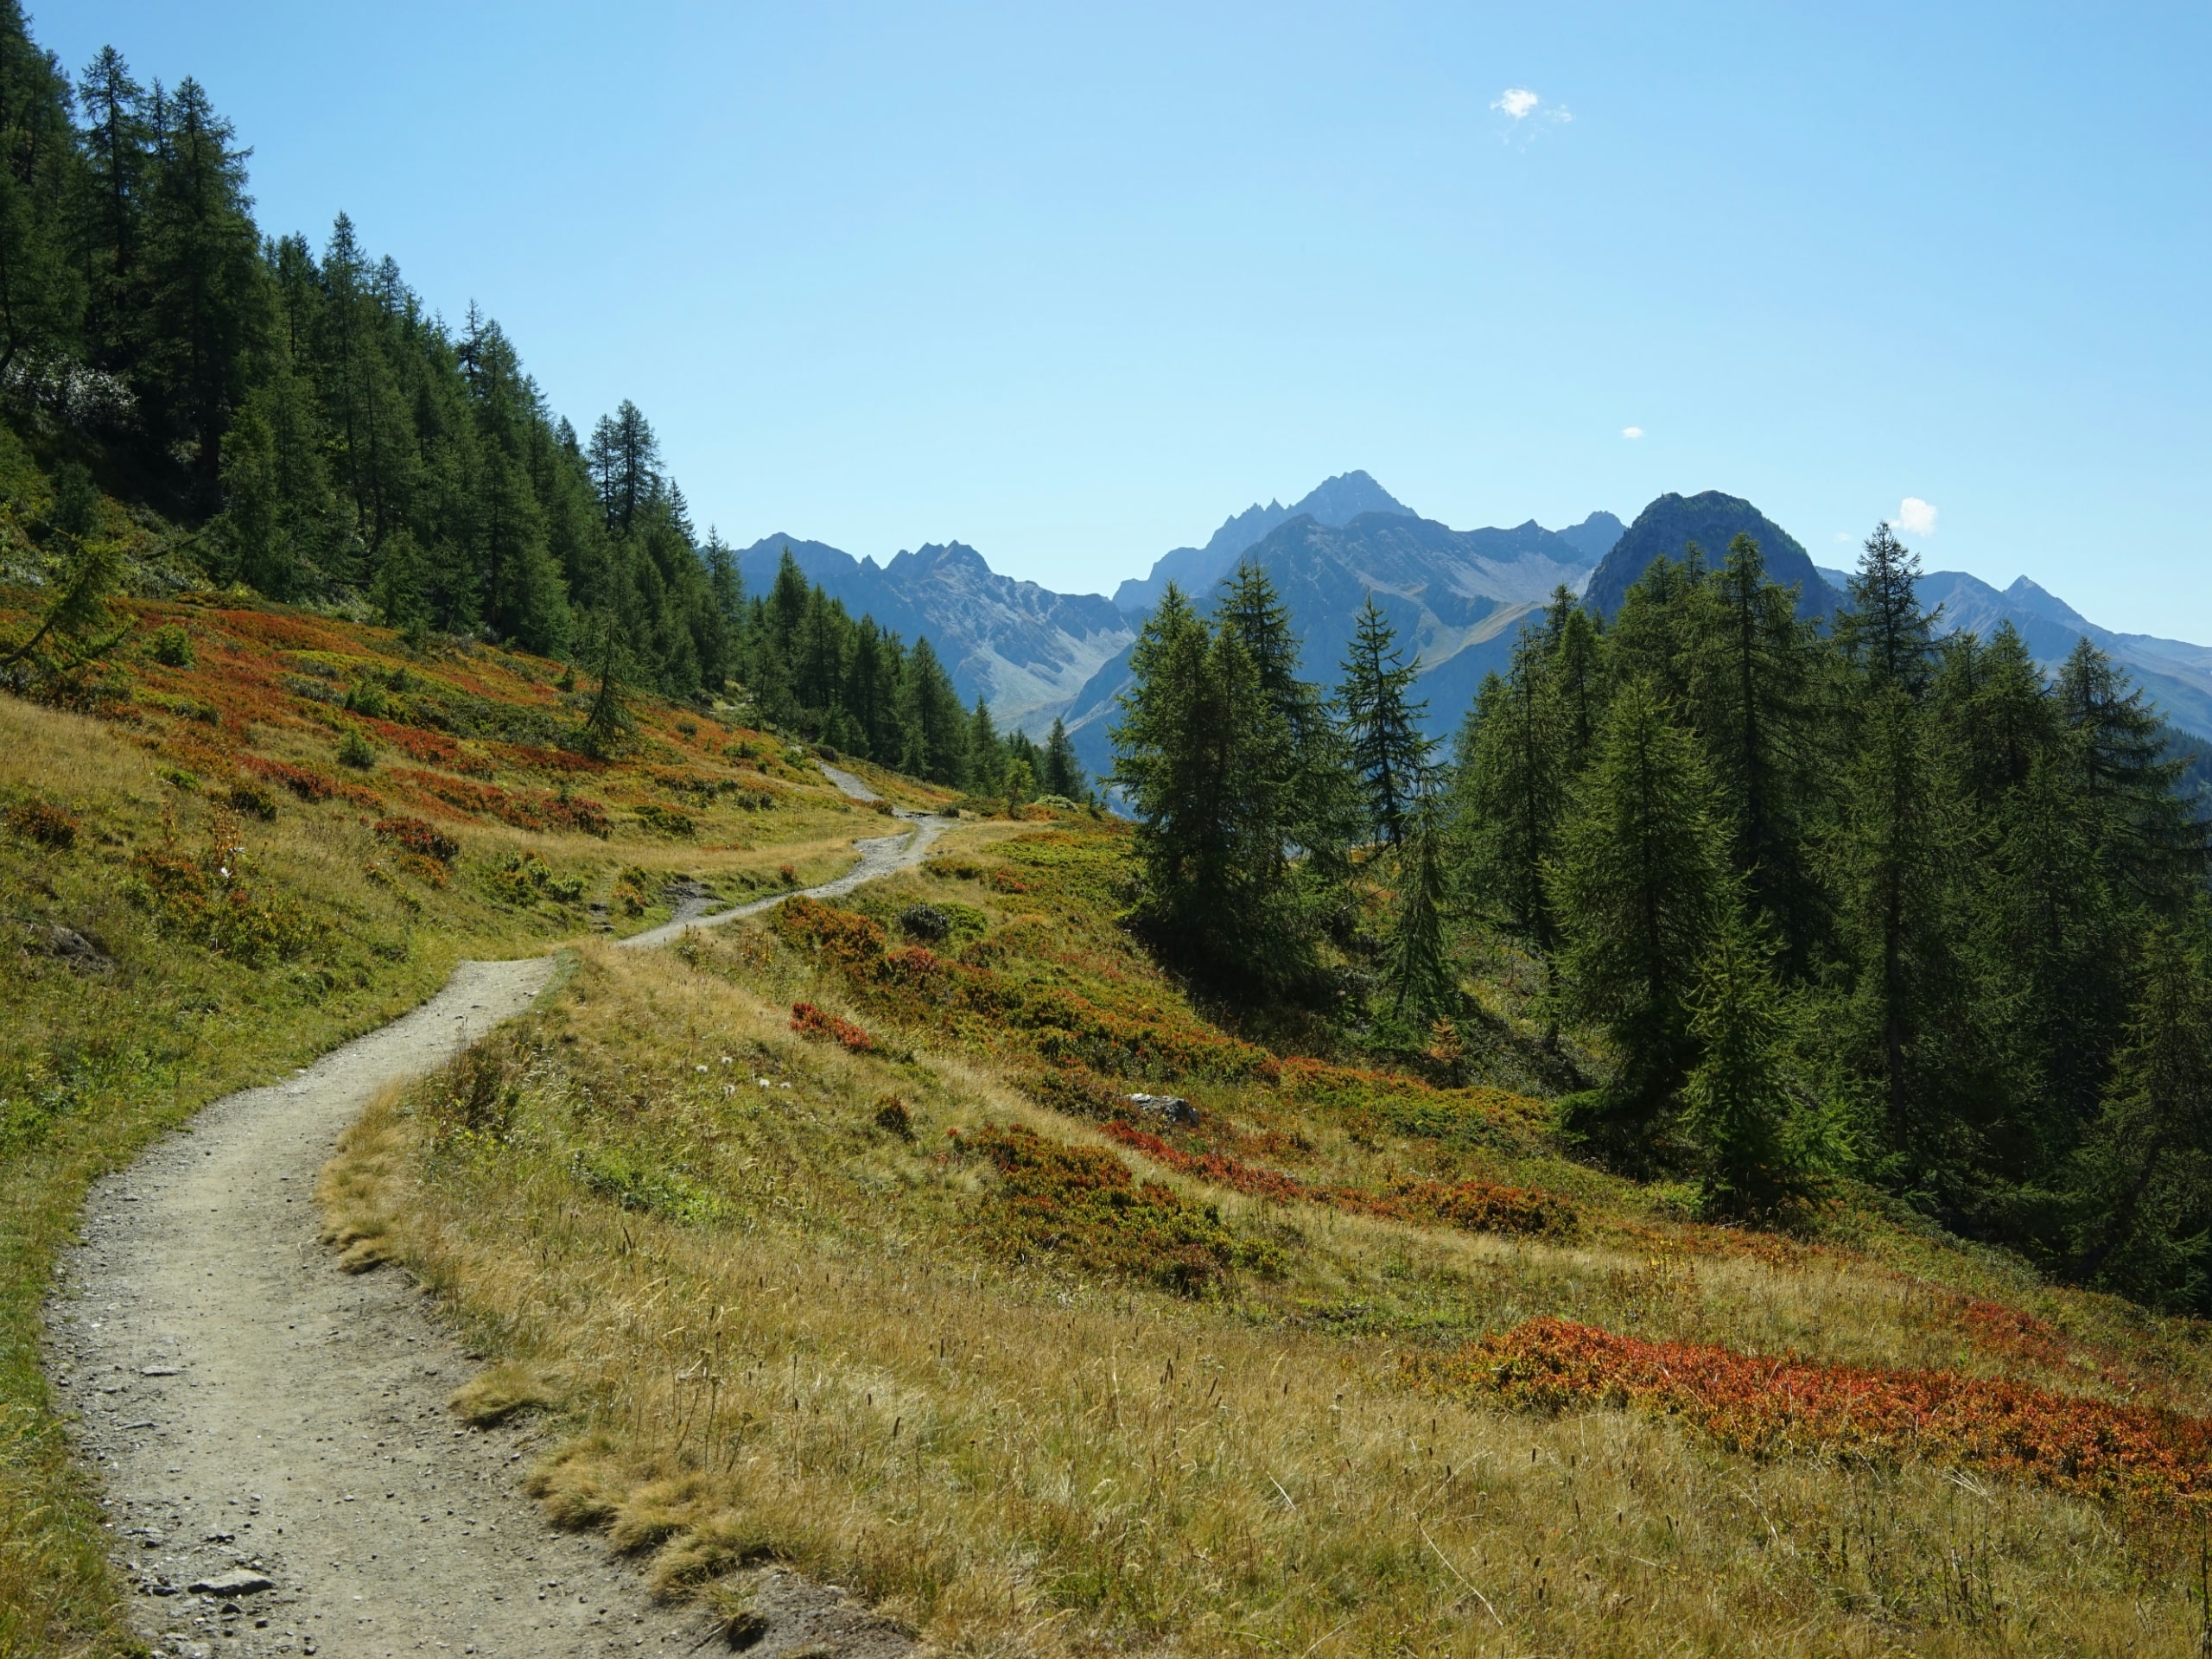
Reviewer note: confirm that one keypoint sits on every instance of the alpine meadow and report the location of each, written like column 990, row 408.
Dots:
column 567, row 1086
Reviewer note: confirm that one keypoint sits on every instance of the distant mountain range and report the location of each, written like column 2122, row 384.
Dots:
column 1025, row 649
column 1457, row 598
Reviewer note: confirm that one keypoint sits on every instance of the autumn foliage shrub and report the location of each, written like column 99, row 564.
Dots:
column 416, row 836
column 308, row 785
column 47, row 825
column 1081, row 1205
column 810, row 1021
column 1473, row 1206
column 1769, row 1406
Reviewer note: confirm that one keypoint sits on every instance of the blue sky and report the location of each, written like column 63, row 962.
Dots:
column 1071, row 284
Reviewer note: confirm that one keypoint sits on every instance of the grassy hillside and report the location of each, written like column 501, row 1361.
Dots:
column 199, row 894
column 835, row 1240
column 833, row 1236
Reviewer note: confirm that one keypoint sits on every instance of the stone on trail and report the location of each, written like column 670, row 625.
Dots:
column 237, row 1582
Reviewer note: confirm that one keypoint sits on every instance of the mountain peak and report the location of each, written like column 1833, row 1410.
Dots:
column 1710, row 520
column 2038, row 602
column 1336, row 501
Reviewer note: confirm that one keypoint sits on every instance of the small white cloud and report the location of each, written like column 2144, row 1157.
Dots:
column 1915, row 516
column 1845, row 537
column 1528, row 117
column 1631, row 431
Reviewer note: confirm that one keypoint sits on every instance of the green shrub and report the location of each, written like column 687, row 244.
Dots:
column 666, row 819
column 253, row 800
column 353, row 751
column 170, row 646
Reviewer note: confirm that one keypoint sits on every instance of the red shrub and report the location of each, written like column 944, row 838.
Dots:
column 810, row 1021
column 1773, row 1407
column 414, row 835
column 49, row 826
column 1471, row 1205
column 308, row 785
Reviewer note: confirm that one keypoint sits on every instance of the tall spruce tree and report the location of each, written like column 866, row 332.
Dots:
column 1209, row 765
column 1753, row 679
column 1760, row 1144
column 2142, row 1189
column 1639, row 885
column 1391, row 757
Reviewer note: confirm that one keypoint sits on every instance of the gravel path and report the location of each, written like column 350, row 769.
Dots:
column 275, row 1430
column 880, row 855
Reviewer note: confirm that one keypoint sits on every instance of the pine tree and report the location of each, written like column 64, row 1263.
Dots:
column 1751, row 668
column 1390, row 755
column 1063, row 773
column 110, row 219
column 1210, row 768
column 41, row 296
column 205, row 292
column 987, row 759
column 2152, row 842
column 1327, row 819
column 1418, row 971
column 1883, row 633
column 936, row 744
column 2142, row 1192
column 608, row 723
column 1760, row 1144
column 1638, row 885
column 1509, row 790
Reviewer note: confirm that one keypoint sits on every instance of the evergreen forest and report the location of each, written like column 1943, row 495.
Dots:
column 322, row 438
column 1799, row 906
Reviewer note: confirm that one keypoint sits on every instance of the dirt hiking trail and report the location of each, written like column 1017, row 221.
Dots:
column 276, row 1431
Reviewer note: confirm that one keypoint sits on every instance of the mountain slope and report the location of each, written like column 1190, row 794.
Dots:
column 1710, row 520
column 1022, row 648
column 2176, row 675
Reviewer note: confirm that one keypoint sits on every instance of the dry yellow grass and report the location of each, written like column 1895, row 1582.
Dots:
column 823, row 1363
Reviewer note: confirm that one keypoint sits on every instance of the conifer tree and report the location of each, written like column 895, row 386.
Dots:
column 2143, row 1183
column 1328, row 809
column 1209, row 765
column 1509, row 792
column 1063, row 773
column 2152, row 842
column 607, row 723
column 1760, row 1144
column 1882, row 631
column 1750, row 669
column 1418, row 970
column 1638, row 884
column 936, row 726
column 1390, row 755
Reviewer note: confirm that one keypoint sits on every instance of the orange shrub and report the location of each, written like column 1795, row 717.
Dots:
column 414, row 835
column 810, row 1021
column 1773, row 1407
column 1474, row 1207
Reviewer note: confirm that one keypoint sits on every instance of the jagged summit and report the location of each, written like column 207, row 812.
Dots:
column 1333, row 502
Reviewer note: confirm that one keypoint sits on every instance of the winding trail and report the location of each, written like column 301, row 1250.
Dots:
column 252, row 1411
